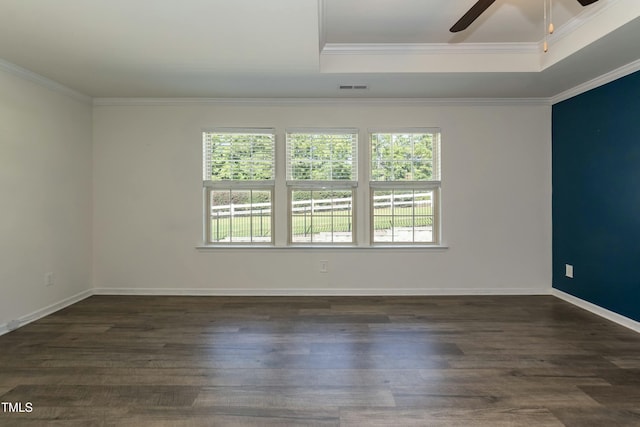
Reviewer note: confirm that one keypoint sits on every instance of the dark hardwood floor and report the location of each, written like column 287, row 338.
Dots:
column 351, row 361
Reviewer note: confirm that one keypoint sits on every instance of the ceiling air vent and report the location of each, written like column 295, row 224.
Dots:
column 353, row 87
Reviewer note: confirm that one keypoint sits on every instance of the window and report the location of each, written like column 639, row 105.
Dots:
column 313, row 187
column 239, row 168
column 322, row 176
column 405, row 186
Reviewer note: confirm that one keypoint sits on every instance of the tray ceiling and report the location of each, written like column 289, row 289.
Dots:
column 307, row 48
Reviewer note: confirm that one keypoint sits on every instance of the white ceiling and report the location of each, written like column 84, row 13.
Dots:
column 307, row 48
column 428, row 21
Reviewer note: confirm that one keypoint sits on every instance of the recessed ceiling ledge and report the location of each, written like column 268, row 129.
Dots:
column 427, row 48
column 435, row 58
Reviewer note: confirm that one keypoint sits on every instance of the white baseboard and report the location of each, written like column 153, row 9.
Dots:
column 595, row 309
column 321, row 291
column 602, row 312
column 39, row 314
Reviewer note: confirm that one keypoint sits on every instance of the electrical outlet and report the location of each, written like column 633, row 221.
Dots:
column 568, row 270
column 324, row 266
column 49, row 279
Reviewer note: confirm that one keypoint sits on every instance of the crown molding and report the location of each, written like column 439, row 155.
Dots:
column 43, row 81
column 465, row 48
column 428, row 48
column 445, row 49
column 625, row 70
column 141, row 102
column 578, row 21
column 322, row 27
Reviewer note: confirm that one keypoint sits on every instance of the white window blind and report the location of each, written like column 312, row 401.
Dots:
column 405, row 156
column 238, row 155
column 322, row 155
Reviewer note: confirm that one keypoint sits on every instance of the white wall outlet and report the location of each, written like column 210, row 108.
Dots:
column 49, row 279
column 324, row 266
column 568, row 270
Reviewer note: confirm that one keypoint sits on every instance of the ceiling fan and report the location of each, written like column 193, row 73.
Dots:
column 479, row 8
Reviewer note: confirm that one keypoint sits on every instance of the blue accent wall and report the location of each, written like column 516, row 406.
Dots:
column 596, row 195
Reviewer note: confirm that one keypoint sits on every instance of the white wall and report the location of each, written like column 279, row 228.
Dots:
column 496, row 202
column 45, row 189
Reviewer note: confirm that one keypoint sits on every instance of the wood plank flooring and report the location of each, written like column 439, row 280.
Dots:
column 325, row 361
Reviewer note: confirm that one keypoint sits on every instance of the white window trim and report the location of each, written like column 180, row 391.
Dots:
column 231, row 185
column 362, row 190
column 323, row 185
column 431, row 185
column 238, row 185
column 382, row 185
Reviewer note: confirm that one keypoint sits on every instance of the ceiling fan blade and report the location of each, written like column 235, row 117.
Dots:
column 473, row 14
column 586, row 2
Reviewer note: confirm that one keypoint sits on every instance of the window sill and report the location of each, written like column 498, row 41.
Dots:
column 322, row 247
